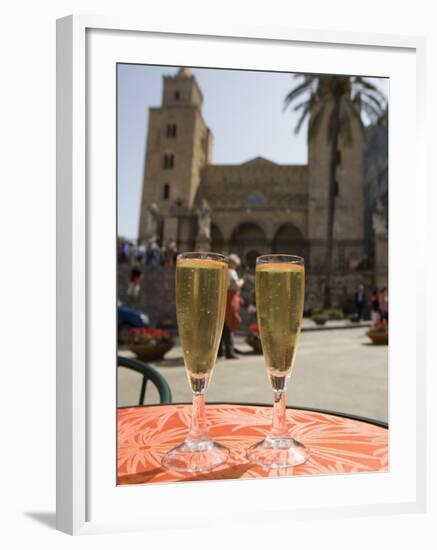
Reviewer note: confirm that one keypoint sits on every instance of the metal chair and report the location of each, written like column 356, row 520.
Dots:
column 149, row 373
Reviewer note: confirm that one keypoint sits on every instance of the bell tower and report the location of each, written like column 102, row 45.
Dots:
column 178, row 147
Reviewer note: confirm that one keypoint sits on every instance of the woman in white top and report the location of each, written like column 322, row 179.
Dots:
column 232, row 317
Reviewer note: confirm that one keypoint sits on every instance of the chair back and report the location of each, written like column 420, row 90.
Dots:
column 149, row 373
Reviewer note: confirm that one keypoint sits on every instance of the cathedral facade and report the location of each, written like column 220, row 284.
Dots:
column 255, row 207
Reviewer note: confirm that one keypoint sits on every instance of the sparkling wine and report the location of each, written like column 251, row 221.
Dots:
column 201, row 286
column 280, row 289
column 280, row 282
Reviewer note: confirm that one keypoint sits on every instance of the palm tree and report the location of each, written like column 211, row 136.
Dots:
column 342, row 99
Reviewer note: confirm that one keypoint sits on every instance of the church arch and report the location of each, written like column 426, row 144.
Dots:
column 288, row 239
column 249, row 240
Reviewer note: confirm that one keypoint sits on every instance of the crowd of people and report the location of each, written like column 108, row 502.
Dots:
column 149, row 254
column 378, row 304
column 138, row 254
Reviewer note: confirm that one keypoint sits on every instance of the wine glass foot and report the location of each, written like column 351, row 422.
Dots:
column 196, row 456
column 278, row 452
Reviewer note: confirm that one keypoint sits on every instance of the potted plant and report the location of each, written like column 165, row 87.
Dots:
column 378, row 333
column 253, row 338
column 319, row 317
column 150, row 344
column 334, row 314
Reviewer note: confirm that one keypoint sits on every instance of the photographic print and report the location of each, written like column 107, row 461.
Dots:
column 252, row 274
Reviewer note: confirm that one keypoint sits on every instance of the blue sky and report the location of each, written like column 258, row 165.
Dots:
column 244, row 110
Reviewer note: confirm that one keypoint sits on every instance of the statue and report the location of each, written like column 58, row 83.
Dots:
column 378, row 220
column 152, row 222
column 204, row 217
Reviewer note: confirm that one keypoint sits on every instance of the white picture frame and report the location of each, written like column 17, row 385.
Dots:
column 83, row 429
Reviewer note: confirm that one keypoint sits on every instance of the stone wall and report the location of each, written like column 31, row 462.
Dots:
column 256, row 183
column 343, row 288
column 343, row 291
column 157, row 296
column 381, row 261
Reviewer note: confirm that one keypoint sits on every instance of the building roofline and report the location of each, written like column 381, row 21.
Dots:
column 246, row 163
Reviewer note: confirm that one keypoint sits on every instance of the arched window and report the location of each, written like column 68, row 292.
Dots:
column 177, row 95
column 166, row 191
column 168, row 161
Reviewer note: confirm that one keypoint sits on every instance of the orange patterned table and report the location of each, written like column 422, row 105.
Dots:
column 336, row 444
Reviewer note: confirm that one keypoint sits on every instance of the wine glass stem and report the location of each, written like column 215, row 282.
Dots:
column 279, row 423
column 198, row 428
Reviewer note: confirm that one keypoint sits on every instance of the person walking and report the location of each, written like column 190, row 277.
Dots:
column 134, row 285
column 233, row 303
column 374, row 306
column 153, row 252
column 171, row 253
column 120, row 251
column 141, row 252
column 360, row 300
column 127, row 250
column 383, row 305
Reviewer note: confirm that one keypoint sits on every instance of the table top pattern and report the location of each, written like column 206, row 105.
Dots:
column 337, row 445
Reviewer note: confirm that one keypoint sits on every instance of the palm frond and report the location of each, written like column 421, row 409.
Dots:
column 298, row 90
column 362, row 80
column 301, row 104
column 373, row 114
column 363, row 85
column 305, row 113
column 379, row 105
column 356, row 94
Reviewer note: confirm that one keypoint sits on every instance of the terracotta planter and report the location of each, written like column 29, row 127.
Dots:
column 378, row 337
column 254, row 342
column 151, row 351
column 320, row 319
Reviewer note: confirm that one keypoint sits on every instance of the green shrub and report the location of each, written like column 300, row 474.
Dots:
column 334, row 314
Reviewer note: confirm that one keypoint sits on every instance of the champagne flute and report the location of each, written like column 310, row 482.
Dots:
column 201, row 288
column 280, row 287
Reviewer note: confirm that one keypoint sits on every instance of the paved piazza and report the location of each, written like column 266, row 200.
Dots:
column 335, row 369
